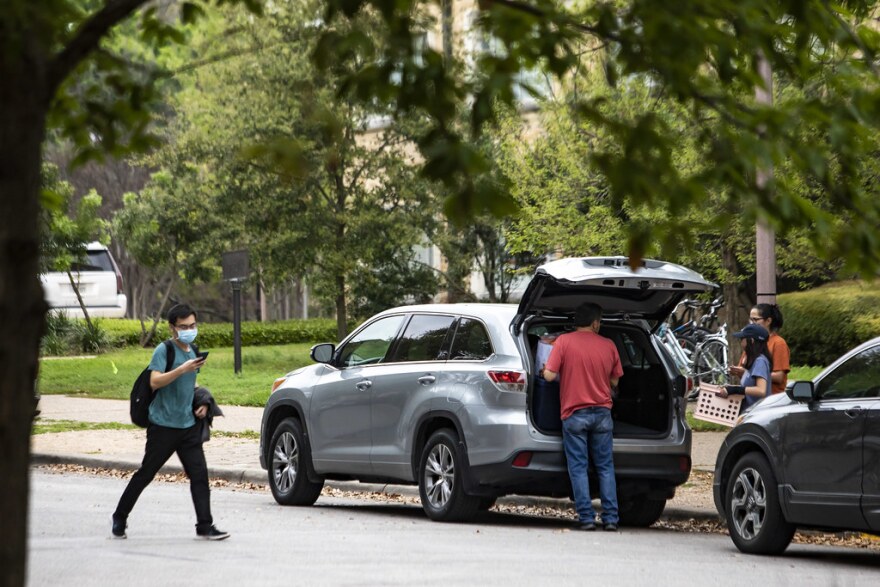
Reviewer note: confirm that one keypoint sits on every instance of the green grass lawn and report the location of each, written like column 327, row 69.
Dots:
column 797, row 373
column 111, row 375
column 42, row 426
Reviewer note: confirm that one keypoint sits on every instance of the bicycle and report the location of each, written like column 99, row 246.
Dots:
column 700, row 354
column 710, row 362
column 680, row 355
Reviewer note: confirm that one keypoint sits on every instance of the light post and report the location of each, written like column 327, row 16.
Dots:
column 236, row 270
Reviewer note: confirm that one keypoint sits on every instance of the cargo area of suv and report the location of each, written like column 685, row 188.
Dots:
column 633, row 305
column 644, row 396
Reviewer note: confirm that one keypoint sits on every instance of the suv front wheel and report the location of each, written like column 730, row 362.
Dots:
column 441, row 483
column 754, row 516
column 288, row 454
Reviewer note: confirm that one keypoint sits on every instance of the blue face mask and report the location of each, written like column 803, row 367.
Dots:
column 187, row 336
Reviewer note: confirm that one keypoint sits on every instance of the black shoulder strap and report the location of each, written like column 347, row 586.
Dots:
column 169, row 355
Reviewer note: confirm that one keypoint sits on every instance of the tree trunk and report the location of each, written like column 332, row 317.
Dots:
column 147, row 338
column 23, row 108
column 733, row 313
column 82, row 304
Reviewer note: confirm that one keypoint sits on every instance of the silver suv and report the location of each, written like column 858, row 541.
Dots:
column 445, row 396
column 98, row 281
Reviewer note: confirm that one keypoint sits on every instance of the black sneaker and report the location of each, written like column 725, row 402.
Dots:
column 117, row 527
column 585, row 526
column 212, row 534
column 611, row 527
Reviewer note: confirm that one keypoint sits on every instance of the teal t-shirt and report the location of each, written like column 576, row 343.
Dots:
column 172, row 404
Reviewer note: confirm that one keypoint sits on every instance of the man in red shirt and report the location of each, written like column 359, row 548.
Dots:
column 588, row 367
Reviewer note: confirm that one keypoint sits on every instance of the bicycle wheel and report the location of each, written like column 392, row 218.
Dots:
column 689, row 344
column 710, row 363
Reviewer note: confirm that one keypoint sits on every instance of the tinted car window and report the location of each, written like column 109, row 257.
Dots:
column 370, row 345
column 471, row 342
column 634, row 352
column 95, row 261
column 857, row 377
column 423, row 339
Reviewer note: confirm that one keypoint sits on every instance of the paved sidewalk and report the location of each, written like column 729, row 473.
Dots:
column 237, row 459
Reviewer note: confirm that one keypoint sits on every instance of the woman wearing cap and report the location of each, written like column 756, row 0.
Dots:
column 755, row 381
column 769, row 316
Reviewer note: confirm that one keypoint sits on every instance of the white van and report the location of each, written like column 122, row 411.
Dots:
column 100, row 285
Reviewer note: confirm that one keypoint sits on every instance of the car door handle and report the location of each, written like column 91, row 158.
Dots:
column 364, row 385
column 854, row 412
column 427, row 379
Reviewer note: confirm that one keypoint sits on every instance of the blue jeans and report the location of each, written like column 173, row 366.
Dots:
column 588, row 434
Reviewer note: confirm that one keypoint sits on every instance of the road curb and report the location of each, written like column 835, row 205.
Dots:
column 258, row 476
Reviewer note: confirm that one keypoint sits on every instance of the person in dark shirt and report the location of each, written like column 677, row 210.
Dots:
column 173, row 427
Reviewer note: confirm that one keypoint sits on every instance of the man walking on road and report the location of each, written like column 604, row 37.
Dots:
column 588, row 366
column 173, row 427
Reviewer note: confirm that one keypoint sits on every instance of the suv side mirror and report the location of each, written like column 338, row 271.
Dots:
column 803, row 391
column 322, row 353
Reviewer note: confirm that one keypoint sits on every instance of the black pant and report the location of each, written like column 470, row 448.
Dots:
column 162, row 442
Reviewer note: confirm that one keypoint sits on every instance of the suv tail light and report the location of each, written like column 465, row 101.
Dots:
column 509, row 380
column 523, row 459
column 119, row 288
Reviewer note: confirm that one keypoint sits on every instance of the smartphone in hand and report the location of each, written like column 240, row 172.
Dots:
column 202, row 355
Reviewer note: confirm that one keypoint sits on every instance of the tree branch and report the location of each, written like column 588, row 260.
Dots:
column 857, row 41
column 544, row 14
column 87, row 38
column 219, row 58
column 368, row 160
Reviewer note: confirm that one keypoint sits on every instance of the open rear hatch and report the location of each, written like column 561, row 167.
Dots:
column 650, row 292
column 628, row 297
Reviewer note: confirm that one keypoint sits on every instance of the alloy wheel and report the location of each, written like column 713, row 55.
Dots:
column 285, row 462
column 748, row 503
column 439, row 476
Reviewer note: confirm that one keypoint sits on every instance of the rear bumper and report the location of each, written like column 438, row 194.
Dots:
column 117, row 310
column 546, row 474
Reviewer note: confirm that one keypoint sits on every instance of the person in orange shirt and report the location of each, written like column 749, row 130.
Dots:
column 770, row 317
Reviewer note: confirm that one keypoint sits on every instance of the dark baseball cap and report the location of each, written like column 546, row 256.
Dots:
column 753, row 331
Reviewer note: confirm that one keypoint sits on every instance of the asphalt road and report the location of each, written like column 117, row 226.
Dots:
column 352, row 542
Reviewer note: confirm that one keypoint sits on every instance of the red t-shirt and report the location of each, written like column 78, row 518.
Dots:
column 586, row 363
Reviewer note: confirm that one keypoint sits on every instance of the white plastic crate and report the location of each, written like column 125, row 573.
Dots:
column 713, row 408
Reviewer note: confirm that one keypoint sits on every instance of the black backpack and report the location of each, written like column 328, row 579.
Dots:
column 141, row 392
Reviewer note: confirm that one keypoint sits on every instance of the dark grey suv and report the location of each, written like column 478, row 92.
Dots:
column 445, row 396
column 807, row 458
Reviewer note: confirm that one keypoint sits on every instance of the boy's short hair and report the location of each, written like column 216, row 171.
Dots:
column 586, row 314
column 180, row 311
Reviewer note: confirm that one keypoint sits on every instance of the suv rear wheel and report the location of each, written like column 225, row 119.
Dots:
column 441, row 483
column 754, row 517
column 639, row 511
column 288, row 454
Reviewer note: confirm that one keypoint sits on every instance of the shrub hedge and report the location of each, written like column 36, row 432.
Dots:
column 128, row 332
column 823, row 323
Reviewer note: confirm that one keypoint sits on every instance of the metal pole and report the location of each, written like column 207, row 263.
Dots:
column 236, row 323
column 765, row 238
